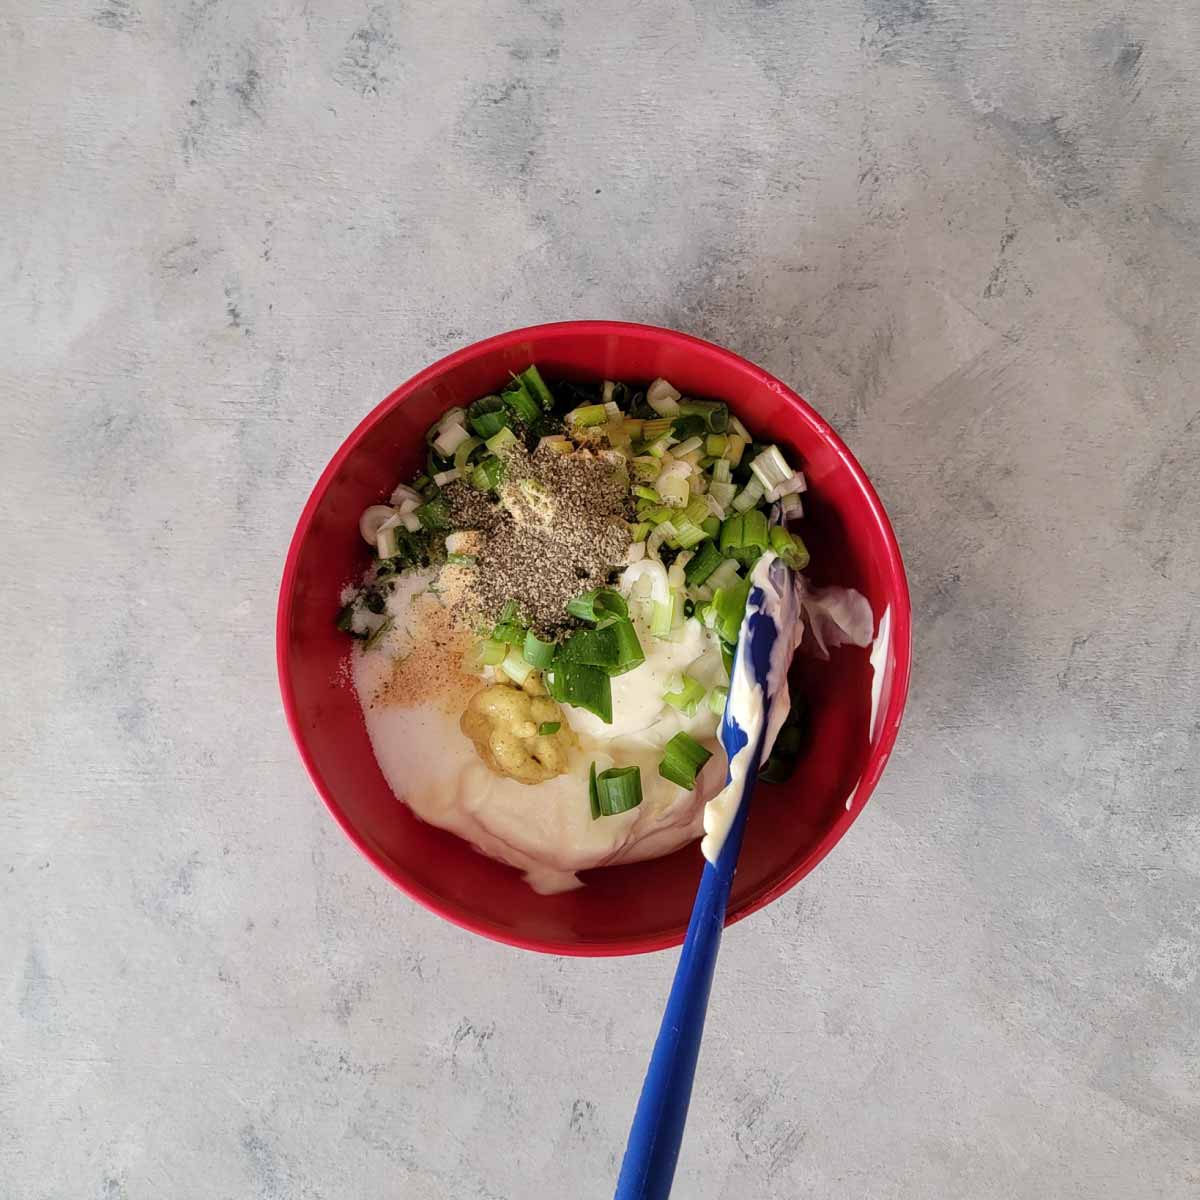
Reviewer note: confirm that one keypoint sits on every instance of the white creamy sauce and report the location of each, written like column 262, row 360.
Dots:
column 545, row 830
column 749, row 703
column 413, row 693
column 880, row 649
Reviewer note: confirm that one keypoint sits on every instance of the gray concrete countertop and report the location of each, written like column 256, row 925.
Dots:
column 969, row 232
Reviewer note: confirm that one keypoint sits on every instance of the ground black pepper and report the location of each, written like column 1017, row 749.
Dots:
column 557, row 529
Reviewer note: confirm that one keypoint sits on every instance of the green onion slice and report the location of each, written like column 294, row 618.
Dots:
column 500, row 440
column 771, row 468
column 486, row 477
column 789, row 547
column 586, row 415
column 600, row 605
column 614, row 648
column 688, row 426
column 522, row 405
column 434, row 514
column 463, row 454
column 549, row 728
column 515, row 666
column 492, row 652
column 614, row 791
column 510, row 633
column 714, row 412
column 583, row 686
column 688, row 698
column 745, row 536
column 689, row 535
column 682, row 758
column 705, row 562
column 729, row 605
column 535, row 385
column 540, row 653
column 488, row 416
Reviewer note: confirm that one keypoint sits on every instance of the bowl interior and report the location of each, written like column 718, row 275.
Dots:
column 642, row 906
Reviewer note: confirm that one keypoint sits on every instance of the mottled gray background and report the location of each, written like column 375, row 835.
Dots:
column 968, row 231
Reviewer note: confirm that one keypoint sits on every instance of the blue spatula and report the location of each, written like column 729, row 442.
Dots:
column 657, row 1130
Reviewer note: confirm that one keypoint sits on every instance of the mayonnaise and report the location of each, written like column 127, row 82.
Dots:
column 545, row 830
column 750, row 707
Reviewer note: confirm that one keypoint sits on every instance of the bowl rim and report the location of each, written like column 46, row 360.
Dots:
column 901, row 635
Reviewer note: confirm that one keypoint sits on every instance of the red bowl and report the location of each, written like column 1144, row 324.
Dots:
column 643, row 906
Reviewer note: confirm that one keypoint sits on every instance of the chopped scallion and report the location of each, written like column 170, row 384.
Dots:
column 581, row 685
column 714, row 412
column 791, row 486
column 516, row 667
column 449, row 438
column 744, row 536
column 662, row 617
column 486, row 477
column 705, row 562
column 653, row 430
column 682, row 759
column 587, row 415
column 387, row 540
column 614, row 791
column 522, row 405
column 726, row 574
column 600, row 605
column 646, row 468
column 697, row 509
column 749, row 496
column 613, row 648
column 487, row 416
column 688, row 535
column 722, row 493
column 536, row 387
column 549, row 728
column 509, row 632
column 434, row 514
column 789, row 547
column 537, row 652
column 687, row 429
column 674, row 490
column 729, row 605
column 770, row 467
column 501, row 440
column 663, row 398
column 462, row 456
column 687, row 698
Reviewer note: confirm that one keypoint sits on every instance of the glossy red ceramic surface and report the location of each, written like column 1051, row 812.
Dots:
column 645, row 906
